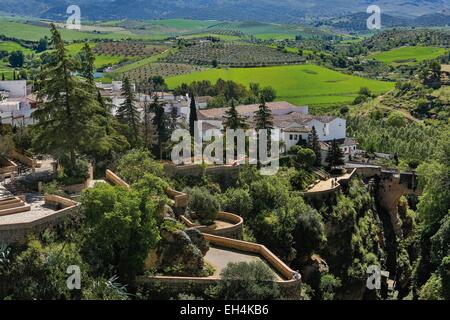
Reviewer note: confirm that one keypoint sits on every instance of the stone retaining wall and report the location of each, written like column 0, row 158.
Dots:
column 198, row 170
column 235, row 231
column 290, row 287
column 116, row 180
column 8, row 168
column 19, row 232
column 28, row 161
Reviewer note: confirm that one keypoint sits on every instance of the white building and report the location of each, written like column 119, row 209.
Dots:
column 15, row 107
column 295, row 124
column 13, row 89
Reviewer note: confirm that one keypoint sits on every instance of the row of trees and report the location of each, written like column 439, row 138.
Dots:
column 224, row 91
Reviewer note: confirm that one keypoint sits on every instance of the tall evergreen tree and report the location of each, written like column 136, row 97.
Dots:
column 233, row 120
column 173, row 119
column 160, row 122
column 150, row 135
column 314, row 145
column 67, row 107
column 335, row 157
column 128, row 114
column 263, row 117
column 193, row 118
column 87, row 67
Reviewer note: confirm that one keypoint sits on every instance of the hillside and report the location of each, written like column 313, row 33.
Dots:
column 263, row 10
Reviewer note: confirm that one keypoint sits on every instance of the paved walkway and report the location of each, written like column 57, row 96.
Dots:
column 219, row 259
column 323, row 186
column 38, row 210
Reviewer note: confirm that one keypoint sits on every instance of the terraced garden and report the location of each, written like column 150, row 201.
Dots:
column 233, row 55
column 298, row 84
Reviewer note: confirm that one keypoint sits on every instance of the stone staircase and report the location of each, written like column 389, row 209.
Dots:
column 12, row 205
column 322, row 174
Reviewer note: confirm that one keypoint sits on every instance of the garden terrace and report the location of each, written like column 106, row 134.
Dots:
column 226, row 225
column 234, row 55
column 42, row 211
column 223, row 251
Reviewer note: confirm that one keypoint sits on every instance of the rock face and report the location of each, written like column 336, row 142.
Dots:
column 181, row 252
column 165, row 211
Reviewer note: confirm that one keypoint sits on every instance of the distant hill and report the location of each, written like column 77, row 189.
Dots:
column 287, row 11
column 357, row 21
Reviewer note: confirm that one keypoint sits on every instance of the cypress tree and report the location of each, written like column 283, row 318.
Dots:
column 335, row 155
column 150, row 133
column 263, row 117
column 192, row 115
column 233, row 120
column 160, row 122
column 128, row 114
column 314, row 145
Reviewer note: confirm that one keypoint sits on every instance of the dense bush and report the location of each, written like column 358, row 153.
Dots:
column 202, row 205
column 247, row 281
column 132, row 166
column 120, row 230
column 237, row 201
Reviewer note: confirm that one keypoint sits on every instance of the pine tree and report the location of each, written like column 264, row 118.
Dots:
column 192, row 115
column 87, row 66
column 314, row 145
column 335, row 157
column 107, row 137
column 233, row 120
column 263, row 117
column 128, row 114
column 67, row 107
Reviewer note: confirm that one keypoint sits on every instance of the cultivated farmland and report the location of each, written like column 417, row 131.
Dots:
column 161, row 69
column 234, row 55
column 298, row 84
column 128, row 49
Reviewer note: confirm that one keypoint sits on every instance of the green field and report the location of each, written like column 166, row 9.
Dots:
column 408, row 55
column 6, row 70
column 11, row 46
column 32, row 32
column 298, row 84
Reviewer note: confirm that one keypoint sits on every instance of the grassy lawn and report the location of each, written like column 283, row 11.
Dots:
column 408, row 55
column 298, row 84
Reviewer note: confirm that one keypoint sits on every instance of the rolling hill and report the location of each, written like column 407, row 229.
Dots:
column 262, row 10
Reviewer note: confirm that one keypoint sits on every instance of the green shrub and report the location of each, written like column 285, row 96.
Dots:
column 237, row 201
column 202, row 205
column 247, row 281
